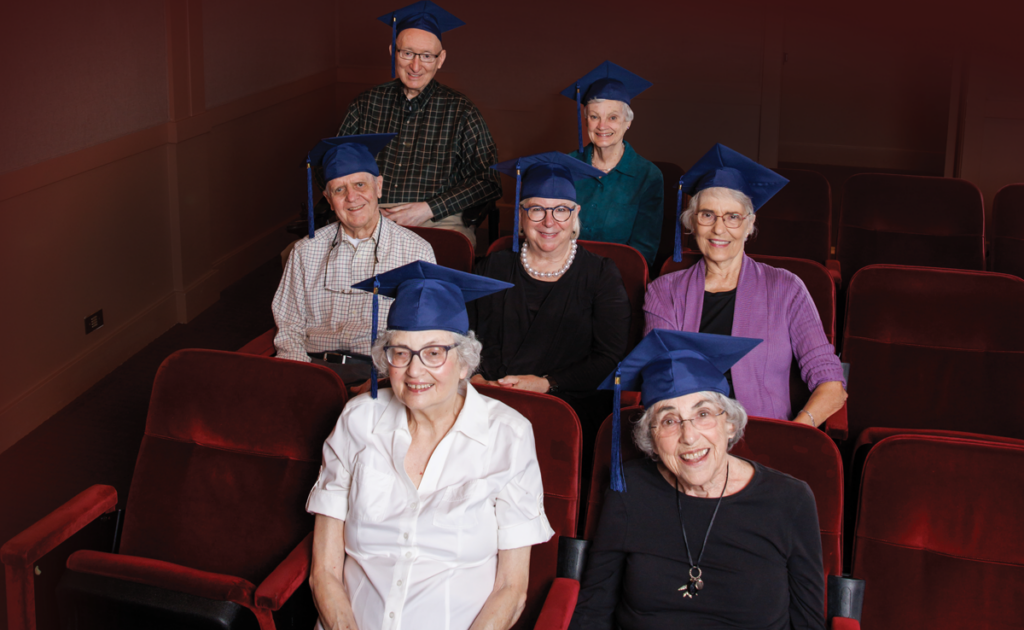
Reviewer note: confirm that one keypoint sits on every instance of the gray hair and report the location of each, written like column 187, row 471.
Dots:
column 689, row 221
column 627, row 111
column 735, row 414
column 466, row 346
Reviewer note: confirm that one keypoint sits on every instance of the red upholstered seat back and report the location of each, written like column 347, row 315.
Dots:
column 1007, row 231
column 451, row 249
column 557, row 433
column 670, row 174
column 908, row 220
column 935, row 349
column 632, row 267
column 792, row 448
column 797, row 221
column 232, row 447
column 938, row 539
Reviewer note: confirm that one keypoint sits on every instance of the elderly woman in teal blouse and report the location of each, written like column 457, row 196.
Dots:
column 625, row 206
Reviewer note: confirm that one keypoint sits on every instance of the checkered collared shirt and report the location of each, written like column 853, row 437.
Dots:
column 442, row 154
column 316, row 309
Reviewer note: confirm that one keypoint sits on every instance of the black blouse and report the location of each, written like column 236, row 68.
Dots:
column 716, row 318
column 762, row 567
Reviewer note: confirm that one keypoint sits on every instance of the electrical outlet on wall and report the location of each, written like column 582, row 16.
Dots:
column 94, row 321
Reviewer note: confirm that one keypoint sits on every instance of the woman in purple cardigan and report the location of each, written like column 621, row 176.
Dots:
column 728, row 293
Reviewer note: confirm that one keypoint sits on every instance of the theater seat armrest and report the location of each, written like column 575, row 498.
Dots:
column 630, row 399
column 262, row 345
column 837, row 426
column 844, row 623
column 835, row 271
column 40, row 538
column 288, row 576
column 558, row 606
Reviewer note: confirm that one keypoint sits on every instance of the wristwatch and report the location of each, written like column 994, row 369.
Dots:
column 552, row 385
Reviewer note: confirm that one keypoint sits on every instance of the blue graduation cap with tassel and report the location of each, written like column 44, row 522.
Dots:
column 721, row 167
column 550, row 175
column 668, row 364
column 607, row 81
column 343, row 156
column 423, row 15
column 427, row 297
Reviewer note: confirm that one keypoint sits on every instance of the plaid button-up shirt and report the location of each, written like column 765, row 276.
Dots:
column 315, row 308
column 442, row 154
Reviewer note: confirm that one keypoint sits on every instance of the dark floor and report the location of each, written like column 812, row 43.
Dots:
column 95, row 439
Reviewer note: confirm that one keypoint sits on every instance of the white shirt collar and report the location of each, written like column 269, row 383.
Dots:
column 473, row 420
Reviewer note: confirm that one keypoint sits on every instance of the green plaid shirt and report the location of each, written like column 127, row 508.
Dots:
column 442, row 154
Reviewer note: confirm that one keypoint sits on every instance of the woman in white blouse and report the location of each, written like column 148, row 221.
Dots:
column 430, row 496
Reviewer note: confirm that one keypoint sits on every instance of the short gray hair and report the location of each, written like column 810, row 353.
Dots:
column 689, row 215
column 466, row 346
column 735, row 414
column 627, row 111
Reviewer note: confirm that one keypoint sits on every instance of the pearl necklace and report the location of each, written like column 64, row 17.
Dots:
column 539, row 274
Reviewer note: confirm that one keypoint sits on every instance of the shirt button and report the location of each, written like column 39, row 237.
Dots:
column 392, row 615
column 408, row 554
column 399, row 582
column 405, row 536
column 412, row 505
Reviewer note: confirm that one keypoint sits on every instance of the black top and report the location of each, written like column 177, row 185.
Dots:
column 762, row 567
column 577, row 336
column 716, row 318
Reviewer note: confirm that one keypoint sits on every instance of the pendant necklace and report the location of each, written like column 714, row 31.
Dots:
column 696, row 583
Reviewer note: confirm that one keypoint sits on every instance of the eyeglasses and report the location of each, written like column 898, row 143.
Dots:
column 559, row 213
column 430, row 356
column 731, row 220
column 671, row 425
column 427, row 57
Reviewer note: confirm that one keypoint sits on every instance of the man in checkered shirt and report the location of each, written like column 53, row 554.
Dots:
column 319, row 315
column 439, row 165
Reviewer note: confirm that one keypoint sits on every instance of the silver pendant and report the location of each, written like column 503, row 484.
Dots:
column 695, row 584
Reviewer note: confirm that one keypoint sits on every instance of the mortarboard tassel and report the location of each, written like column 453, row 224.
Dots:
column 394, row 42
column 579, row 118
column 515, row 216
column 618, row 478
column 373, row 337
column 677, row 250
column 309, row 194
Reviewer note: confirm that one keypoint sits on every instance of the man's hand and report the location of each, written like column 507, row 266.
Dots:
column 478, row 379
column 529, row 382
column 409, row 213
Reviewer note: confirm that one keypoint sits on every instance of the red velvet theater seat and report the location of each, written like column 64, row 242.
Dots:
column 632, row 267
column 557, row 433
column 262, row 345
column 216, row 510
column 1007, row 231
column 909, row 220
column 938, row 539
column 935, row 349
column 797, row 221
column 451, row 249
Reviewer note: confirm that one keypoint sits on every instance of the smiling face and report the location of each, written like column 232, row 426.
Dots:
column 606, row 123
column 696, row 457
column 354, row 199
column 719, row 242
column 423, row 389
column 413, row 73
column 548, row 235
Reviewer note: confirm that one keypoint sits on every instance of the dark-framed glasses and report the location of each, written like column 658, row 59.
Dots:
column 427, row 57
column 559, row 213
column 673, row 425
column 731, row 219
column 430, row 356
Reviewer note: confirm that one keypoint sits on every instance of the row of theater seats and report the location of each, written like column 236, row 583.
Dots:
column 215, row 514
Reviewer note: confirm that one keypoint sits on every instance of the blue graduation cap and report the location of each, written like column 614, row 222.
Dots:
column 721, row 167
column 423, row 15
column 668, row 364
column 607, row 81
column 427, row 297
column 343, row 156
column 551, row 175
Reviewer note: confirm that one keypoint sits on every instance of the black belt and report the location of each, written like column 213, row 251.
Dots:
column 338, row 356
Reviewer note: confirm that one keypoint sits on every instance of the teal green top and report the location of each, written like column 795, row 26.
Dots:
column 625, row 206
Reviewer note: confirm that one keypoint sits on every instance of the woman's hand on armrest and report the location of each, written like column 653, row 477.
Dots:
column 508, row 599
column 527, row 382
column 825, row 400
column 326, row 575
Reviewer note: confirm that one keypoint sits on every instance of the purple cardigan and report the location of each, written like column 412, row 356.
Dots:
column 771, row 304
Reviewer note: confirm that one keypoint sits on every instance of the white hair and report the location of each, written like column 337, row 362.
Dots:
column 735, row 414
column 627, row 111
column 467, row 348
column 688, row 218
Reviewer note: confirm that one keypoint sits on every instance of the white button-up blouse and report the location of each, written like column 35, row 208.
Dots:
column 428, row 556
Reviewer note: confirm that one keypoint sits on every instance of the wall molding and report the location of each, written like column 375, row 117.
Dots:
column 862, row 156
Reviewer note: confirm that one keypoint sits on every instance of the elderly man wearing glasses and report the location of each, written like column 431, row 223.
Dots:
column 436, row 173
